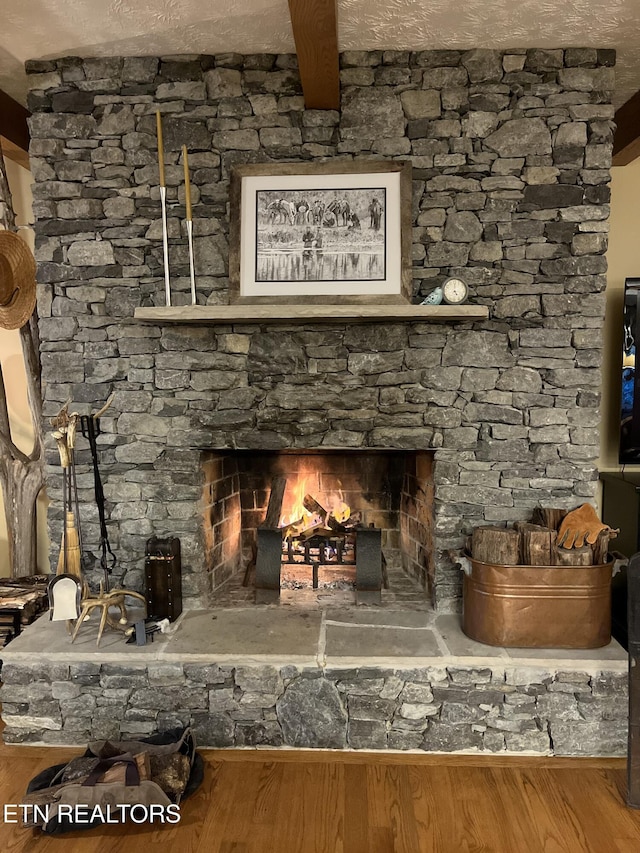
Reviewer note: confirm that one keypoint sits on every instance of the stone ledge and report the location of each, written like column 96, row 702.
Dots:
column 329, row 313
column 336, row 638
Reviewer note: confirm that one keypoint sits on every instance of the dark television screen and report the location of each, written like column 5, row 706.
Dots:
column 630, row 403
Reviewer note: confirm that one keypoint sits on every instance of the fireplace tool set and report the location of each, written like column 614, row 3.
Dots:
column 69, row 595
column 189, row 215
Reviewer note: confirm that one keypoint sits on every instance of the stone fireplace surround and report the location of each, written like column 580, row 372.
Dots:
column 511, row 154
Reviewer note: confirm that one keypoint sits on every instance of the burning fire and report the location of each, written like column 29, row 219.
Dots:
column 306, row 510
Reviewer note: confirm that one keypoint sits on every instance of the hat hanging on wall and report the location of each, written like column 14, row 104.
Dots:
column 17, row 281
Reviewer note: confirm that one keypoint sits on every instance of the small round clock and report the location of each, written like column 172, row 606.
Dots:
column 454, row 291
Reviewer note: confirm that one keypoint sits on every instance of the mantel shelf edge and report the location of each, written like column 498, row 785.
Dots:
column 242, row 313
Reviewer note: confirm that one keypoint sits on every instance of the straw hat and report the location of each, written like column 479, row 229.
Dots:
column 17, row 281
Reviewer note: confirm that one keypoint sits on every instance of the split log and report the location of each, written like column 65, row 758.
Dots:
column 274, row 508
column 600, row 548
column 171, row 772
column 334, row 525
column 292, row 529
column 21, row 474
column 498, row 545
column 536, row 544
column 315, row 530
column 573, row 556
column 354, row 521
column 546, row 517
column 312, row 505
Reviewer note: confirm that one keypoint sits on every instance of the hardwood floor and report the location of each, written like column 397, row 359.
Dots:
column 323, row 802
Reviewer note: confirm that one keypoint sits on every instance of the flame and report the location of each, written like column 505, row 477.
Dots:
column 297, row 510
column 298, row 515
column 342, row 512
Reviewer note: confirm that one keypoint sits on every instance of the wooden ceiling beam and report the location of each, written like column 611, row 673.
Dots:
column 315, row 32
column 626, row 142
column 12, row 152
column 14, row 127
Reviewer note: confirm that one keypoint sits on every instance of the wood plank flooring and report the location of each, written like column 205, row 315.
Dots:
column 325, row 802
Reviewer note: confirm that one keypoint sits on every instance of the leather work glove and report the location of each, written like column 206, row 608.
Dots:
column 581, row 526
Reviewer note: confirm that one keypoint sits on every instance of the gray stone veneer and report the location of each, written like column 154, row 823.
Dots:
column 434, row 709
column 511, row 154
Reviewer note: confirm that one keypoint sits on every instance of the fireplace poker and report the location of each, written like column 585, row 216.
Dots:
column 90, row 426
column 163, row 201
column 73, row 482
column 187, row 199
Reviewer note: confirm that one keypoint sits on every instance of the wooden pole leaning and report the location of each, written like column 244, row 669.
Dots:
column 189, row 222
column 163, row 202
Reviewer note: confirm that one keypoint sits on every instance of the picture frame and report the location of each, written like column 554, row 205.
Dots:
column 318, row 233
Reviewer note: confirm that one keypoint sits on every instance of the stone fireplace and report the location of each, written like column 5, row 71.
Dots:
column 433, row 426
column 510, row 153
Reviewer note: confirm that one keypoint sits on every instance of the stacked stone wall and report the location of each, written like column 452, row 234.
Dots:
column 511, row 154
column 433, row 709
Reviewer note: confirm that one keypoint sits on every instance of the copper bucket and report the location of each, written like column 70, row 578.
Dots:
column 537, row 607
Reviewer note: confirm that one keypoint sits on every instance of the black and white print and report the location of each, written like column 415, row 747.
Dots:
column 321, row 235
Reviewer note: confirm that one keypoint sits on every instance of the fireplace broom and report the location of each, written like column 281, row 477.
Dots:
column 69, row 561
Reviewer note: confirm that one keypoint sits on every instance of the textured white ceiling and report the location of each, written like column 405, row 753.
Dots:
column 37, row 29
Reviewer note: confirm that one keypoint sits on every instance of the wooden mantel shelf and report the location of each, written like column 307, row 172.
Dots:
column 244, row 313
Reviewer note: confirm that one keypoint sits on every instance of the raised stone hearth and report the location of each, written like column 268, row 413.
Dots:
column 319, row 677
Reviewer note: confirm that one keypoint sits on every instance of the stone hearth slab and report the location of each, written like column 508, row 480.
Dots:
column 377, row 616
column 52, row 639
column 256, row 633
column 458, row 645
column 376, row 643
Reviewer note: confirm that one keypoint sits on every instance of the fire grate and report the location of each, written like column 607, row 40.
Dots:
column 327, row 543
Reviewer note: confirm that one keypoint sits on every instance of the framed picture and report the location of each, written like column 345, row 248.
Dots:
column 317, row 233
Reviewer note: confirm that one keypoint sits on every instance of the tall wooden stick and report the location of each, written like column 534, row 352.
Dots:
column 187, row 199
column 163, row 202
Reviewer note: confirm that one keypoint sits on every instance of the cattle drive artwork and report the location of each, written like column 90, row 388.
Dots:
column 321, row 235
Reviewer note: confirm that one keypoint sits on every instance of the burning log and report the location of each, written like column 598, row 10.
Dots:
column 354, row 520
column 312, row 505
column 274, row 507
column 335, row 525
column 316, row 530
